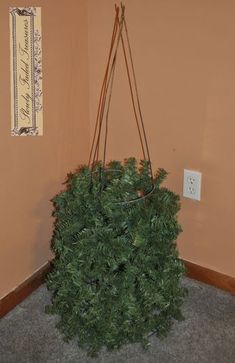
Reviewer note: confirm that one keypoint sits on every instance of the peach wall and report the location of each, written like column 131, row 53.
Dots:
column 33, row 168
column 184, row 52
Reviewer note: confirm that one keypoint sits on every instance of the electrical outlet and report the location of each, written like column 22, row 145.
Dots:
column 192, row 184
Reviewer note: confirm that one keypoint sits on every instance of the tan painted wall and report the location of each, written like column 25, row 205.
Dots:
column 33, row 168
column 184, row 53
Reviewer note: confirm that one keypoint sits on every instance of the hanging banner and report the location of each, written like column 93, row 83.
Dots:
column 26, row 71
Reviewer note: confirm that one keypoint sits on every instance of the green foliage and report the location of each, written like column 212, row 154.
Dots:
column 116, row 275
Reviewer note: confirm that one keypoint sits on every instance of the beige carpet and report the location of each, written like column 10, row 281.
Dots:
column 207, row 335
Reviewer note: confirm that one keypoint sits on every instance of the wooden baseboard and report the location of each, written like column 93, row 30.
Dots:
column 9, row 301
column 210, row 277
column 194, row 271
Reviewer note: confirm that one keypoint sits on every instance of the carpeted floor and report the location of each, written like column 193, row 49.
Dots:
column 207, row 335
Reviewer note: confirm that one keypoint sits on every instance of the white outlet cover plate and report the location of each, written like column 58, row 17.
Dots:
column 192, row 184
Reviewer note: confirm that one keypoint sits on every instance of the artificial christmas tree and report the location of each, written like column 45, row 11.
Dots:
column 116, row 275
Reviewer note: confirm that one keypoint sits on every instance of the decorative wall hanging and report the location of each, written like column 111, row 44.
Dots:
column 26, row 71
